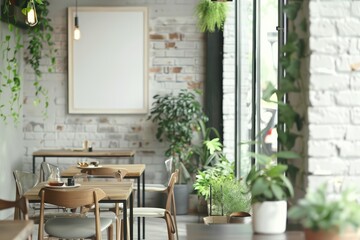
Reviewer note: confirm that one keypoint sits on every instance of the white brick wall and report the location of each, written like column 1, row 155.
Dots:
column 334, row 125
column 229, row 84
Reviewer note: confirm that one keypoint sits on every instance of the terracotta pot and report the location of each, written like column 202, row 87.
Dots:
column 330, row 235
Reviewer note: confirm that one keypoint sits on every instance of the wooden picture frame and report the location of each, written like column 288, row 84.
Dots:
column 108, row 66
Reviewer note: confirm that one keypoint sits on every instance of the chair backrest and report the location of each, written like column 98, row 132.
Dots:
column 119, row 174
column 71, row 198
column 47, row 170
column 21, row 203
column 24, row 181
column 170, row 201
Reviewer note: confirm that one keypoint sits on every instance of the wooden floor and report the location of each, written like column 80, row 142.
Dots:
column 155, row 228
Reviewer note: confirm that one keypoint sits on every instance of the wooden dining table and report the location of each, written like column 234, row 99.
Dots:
column 16, row 229
column 80, row 153
column 116, row 192
column 135, row 171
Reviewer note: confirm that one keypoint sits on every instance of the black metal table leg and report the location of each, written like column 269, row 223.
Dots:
column 143, row 201
column 138, row 204
column 33, row 164
column 125, row 220
column 131, row 217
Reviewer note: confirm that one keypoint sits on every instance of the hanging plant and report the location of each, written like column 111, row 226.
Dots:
column 211, row 15
column 40, row 36
column 41, row 44
column 10, row 79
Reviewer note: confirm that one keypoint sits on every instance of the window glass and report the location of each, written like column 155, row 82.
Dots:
column 257, row 50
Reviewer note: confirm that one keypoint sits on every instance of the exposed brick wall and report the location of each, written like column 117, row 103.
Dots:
column 334, row 92
column 176, row 61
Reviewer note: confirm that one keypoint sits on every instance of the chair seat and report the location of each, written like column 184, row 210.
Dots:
column 153, row 187
column 50, row 215
column 148, row 212
column 75, row 227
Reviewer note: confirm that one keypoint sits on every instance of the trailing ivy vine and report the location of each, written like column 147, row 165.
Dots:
column 40, row 45
column 291, row 119
column 10, row 79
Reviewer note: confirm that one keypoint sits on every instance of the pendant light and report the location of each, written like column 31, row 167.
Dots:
column 31, row 16
column 77, row 33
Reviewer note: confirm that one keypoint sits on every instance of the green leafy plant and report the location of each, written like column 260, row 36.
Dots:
column 268, row 182
column 177, row 118
column 318, row 211
column 41, row 45
column 11, row 79
column 230, row 196
column 211, row 15
column 290, row 119
column 207, row 152
column 221, row 171
column 218, row 184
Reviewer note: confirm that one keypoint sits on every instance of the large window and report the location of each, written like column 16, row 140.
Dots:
column 258, row 38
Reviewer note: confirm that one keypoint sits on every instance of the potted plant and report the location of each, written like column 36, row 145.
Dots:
column 328, row 218
column 224, row 194
column 270, row 189
column 221, row 171
column 211, row 15
column 207, row 151
column 177, row 118
column 229, row 196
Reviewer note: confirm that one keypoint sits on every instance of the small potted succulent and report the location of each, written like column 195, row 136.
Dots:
column 328, row 218
column 270, row 189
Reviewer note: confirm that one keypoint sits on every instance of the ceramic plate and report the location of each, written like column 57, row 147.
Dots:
column 90, row 166
column 63, row 186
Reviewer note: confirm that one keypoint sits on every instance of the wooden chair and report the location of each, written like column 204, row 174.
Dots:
column 69, row 228
column 107, row 174
column 21, row 204
column 164, row 213
column 161, row 188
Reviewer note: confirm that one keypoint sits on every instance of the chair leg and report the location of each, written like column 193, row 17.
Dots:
column 110, row 232
column 122, row 229
column 117, row 222
column 174, row 216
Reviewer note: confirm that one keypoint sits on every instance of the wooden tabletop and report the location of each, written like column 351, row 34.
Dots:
column 235, row 232
column 16, row 229
column 134, row 170
column 82, row 153
column 115, row 191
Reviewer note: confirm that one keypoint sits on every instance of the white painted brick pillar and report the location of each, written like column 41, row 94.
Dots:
column 334, row 92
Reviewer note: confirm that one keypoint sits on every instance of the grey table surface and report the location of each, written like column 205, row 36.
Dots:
column 234, row 231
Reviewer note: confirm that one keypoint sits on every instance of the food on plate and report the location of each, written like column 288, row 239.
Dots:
column 83, row 164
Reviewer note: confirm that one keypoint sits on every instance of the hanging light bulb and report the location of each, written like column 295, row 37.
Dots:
column 31, row 16
column 77, row 33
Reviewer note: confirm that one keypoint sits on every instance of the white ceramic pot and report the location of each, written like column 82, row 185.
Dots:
column 269, row 217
